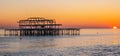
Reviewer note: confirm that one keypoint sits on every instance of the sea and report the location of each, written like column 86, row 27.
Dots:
column 90, row 42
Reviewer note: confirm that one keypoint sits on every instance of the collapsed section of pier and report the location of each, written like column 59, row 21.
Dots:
column 38, row 26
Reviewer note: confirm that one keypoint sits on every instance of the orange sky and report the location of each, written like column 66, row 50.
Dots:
column 79, row 13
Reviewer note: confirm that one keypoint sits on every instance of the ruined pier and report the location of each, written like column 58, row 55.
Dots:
column 38, row 26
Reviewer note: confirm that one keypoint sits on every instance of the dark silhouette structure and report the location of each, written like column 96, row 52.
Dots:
column 38, row 26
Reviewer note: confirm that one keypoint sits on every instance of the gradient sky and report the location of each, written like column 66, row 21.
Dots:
column 79, row 13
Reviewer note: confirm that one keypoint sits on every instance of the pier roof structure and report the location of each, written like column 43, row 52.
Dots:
column 38, row 22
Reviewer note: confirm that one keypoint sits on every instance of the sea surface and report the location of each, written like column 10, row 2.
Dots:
column 90, row 42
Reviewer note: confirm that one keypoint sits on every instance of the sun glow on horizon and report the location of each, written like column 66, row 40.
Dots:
column 114, row 27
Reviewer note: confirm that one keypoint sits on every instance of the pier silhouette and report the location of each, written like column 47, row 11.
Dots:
column 38, row 26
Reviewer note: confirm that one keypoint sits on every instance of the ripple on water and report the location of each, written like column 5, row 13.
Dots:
column 69, row 51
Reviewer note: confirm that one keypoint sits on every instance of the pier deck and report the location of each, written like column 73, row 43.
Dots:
column 42, row 32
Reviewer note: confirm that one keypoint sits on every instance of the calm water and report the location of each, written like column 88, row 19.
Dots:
column 91, row 42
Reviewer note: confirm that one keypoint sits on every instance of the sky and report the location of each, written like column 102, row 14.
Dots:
column 71, row 13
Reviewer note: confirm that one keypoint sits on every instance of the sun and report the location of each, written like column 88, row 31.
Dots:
column 114, row 27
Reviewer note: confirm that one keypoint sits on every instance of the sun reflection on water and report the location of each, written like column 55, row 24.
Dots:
column 115, row 37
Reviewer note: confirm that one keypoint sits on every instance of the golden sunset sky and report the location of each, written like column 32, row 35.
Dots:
column 79, row 13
